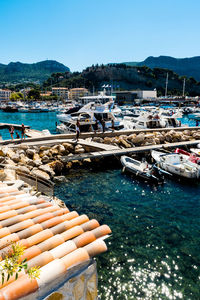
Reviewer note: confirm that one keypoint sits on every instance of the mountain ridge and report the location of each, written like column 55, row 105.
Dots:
column 39, row 71
column 188, row 66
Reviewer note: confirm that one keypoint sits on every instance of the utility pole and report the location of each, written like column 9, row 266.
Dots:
column 184, row 87
column 166, row 86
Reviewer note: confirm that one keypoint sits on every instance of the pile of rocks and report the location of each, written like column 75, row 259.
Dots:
column 153, row 138
column 45, row 161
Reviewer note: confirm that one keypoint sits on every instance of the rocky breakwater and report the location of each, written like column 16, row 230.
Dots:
column 150, row 138
column 44, row 162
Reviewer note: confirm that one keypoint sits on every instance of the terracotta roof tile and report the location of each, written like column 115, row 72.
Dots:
column 55, row 239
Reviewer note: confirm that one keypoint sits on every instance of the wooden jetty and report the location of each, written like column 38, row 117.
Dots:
column 61, row 138
column 16, row 126
column 127, row 151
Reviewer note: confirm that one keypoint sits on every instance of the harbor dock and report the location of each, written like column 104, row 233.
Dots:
column 16, row 126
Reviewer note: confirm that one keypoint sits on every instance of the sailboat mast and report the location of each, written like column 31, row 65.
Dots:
column 184, row 87
column 166, row 86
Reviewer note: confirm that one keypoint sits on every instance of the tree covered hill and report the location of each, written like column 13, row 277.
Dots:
column 182, row 66
column 16, row 72
column 123, row 77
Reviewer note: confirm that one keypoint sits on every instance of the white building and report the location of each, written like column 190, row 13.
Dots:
column 60, row 92
column 146, row 94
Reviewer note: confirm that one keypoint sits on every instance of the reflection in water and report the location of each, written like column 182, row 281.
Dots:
column 153, row 252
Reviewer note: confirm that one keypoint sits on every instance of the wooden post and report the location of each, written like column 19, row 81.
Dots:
column 36, row 183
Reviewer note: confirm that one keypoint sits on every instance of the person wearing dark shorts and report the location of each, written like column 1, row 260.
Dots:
column 23, row 131
column 77, row 130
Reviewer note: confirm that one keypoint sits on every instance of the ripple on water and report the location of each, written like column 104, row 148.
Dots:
column 153, row 252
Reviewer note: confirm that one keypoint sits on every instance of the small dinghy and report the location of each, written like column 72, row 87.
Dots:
column 176, row 164
column 141, row 169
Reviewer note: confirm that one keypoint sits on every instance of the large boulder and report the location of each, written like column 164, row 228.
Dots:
column 131, row 136
column 16, row 158
column 107, row 140
column 68, row 147
column 45, row 153
column 59, row 179
column 47, row 169
column 2, row 175
column 196, row 135
column 24, row 159
column 23, row 169
column 61, row 149
column 139, row 139
column 30, row 153
column 3, row 151
column 187, row 132
column 57, row 166
column 36, row 156
column 23, row 146
column 44, row 148
column 79, row 149
column 39, row 173
column 97, row 139
column 124, row 143
column 53, row 151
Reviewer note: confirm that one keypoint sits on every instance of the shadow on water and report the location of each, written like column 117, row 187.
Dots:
column 153, row 252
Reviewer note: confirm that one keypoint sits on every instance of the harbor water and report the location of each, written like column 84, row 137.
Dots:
column 153, row 252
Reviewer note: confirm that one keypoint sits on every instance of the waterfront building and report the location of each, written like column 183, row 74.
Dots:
column 5, row 94
column 61, row 92
column 76, row 93
column 130, row 96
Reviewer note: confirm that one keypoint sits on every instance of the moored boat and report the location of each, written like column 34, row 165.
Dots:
column 176, row 164
column 141, row 169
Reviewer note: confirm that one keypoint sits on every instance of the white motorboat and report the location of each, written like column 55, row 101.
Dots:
column 91, row 113
column 176, row 164
column 141, row 169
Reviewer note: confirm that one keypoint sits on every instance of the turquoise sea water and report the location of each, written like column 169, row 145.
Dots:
column 42, row 121
column 153, row 252
column 37, row 121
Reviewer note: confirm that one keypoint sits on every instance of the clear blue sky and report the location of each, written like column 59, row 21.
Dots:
column 80, row 33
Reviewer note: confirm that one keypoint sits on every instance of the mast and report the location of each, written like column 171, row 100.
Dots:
column 166, row 85
column 184, row 87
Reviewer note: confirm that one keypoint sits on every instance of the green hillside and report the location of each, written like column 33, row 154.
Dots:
column 182, row 66
column 123, row 77
column 16, row 72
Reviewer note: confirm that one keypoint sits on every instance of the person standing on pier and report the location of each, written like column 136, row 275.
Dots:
column 103, row 125
column 77, row 130
column 23, row 131
column 11, row 130
column 113, row 125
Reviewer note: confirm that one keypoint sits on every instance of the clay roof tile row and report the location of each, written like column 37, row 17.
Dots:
column 55, row 239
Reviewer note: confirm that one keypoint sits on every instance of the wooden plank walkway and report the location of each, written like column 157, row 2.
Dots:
column 95, row 145
column 120, row 152
column 51, row 139
column 8, row 125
